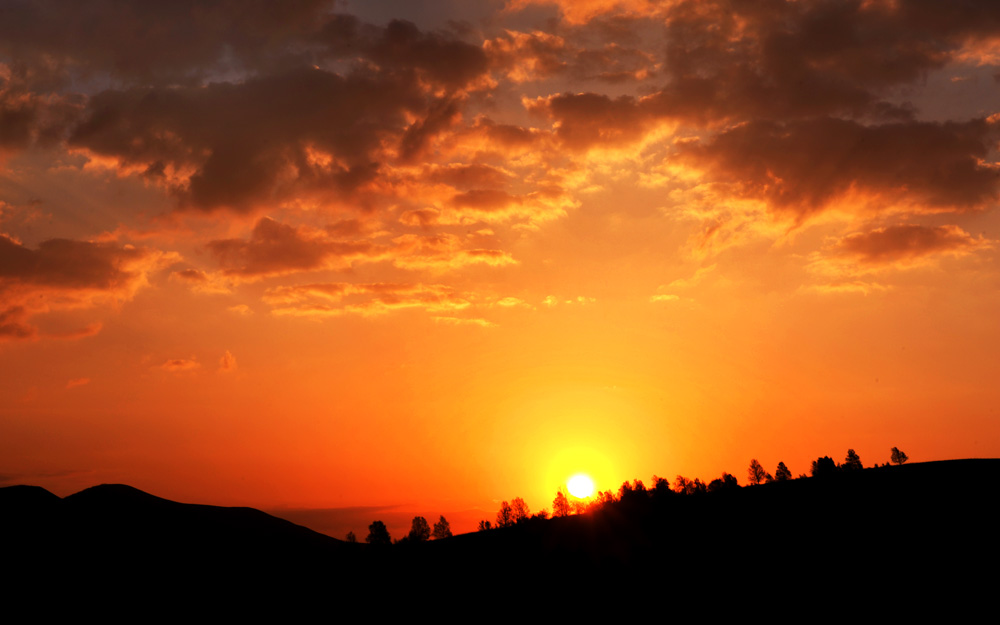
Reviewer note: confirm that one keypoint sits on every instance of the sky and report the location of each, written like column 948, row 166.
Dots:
column 401, row 258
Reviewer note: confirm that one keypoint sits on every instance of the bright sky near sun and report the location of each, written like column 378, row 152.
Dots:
column 435, row 255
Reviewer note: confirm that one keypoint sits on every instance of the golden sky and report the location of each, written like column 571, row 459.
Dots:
column 433, row 255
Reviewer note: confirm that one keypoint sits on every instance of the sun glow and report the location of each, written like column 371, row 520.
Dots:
column 580, row 486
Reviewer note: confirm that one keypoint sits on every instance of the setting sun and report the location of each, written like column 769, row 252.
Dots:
column 580, row 486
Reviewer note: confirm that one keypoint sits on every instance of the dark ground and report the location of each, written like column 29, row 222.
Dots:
column 879, row 541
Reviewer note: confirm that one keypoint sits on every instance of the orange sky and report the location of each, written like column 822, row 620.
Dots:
column 427, row 256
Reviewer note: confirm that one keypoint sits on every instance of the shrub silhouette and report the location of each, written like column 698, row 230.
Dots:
column 823, row 467
column 378, row 534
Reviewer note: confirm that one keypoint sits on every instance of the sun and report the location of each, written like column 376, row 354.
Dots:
column 580, row 486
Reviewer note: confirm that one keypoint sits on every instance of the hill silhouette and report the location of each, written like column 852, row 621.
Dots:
column 922, row 527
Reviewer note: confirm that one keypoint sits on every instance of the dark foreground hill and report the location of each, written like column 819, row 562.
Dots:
column 871, row 538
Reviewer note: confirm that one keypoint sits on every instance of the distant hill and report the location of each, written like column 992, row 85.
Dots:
column 912, row 527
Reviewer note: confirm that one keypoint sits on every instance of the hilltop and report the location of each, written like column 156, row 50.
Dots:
column 918, row 525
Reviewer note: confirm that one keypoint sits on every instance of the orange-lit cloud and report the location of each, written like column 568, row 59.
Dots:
column 909, row 242
column 580, row 11
column 326, row 300
column 65, row 274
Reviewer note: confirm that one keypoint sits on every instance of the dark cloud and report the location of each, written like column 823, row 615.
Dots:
column 275, row 248
column 65, row 274
column 802, row 166
column 614, row 63
column 726, row 63
column 584, row 120
column 14, row 326
column 438, row 57
column 157, row 42
column 907, row 242
column 527, row 56
column 462, row 176
column 253, row 142
column 67, row 264
column 484, row 199
column 29, row 118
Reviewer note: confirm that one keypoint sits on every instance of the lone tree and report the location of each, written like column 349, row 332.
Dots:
column 505, row 516
column 782, row 473
column 378, row 534
column 560, row 505
column 852, row 462
column 898, row 457
column 351, row 538
column 442, row 529
column 419, row 530
column 756, row 473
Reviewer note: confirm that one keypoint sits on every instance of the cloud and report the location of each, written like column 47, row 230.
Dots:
column 91, row 329
column 585, row 120
column 338, row 298
column 227, row 363
column 512, row 302
column 664, row 297
column 527, row 56
column 274, row 248
column 31, row 118
column 244, row 145
column 463, row 321
column 180, row 365
column 903, row 243
column 802, row 167
column 846, row 288
column 137, row 40
column 202, row 282
column 443, row 251
column 77, row 382
column 582, row 11
column 65, row 274
column 13, row 324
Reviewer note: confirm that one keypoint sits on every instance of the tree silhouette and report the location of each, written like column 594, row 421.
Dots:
column 689, row 487
column 724, row 483
column 756, row 473
column 822, row 467
column 661, row 487
column 442, row 529
column 782, row 473
column 351, row 538
column 520, row 511
column 484, row 526
column 560, row 505
column 852, row 462
column 898, row 457
column 505, row 516
column 419, row 530
column 378, row 534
